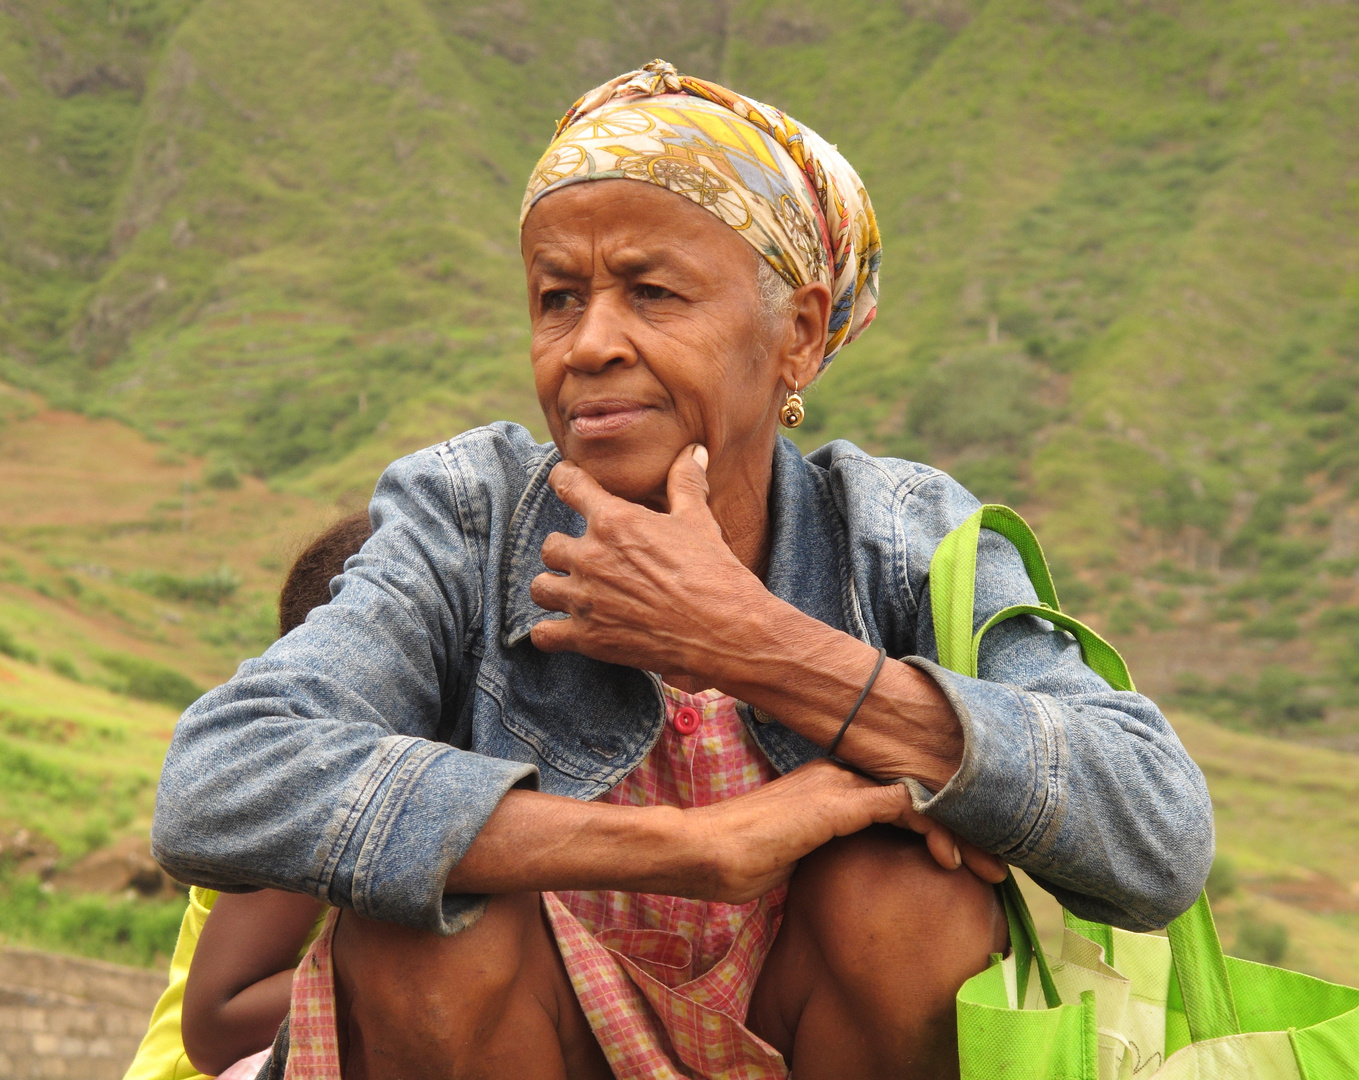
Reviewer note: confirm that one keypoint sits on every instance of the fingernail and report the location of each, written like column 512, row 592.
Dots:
column 701, row 456
column 957, row 857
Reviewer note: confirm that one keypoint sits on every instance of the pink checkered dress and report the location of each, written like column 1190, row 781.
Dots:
column 664, row 982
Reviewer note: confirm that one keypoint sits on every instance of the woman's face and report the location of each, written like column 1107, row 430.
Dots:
column 648, row 336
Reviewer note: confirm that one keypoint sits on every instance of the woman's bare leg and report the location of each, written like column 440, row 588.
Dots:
column 493, row 1001
column 875, row 942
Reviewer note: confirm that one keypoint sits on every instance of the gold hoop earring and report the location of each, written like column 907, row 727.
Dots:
column 793, row 412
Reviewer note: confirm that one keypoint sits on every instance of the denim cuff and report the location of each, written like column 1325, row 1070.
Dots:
column 1003, row 794
column 418, row 822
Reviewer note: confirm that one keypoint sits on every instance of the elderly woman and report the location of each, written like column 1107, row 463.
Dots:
column 557, row 749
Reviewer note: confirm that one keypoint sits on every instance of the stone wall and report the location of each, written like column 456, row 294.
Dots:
column 66, row 1018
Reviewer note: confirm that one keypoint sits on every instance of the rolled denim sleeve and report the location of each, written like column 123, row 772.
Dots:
column 1086, row 788
column 316, row 768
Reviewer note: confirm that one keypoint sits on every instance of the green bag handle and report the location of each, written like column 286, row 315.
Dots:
column 1195, row 947
column 1196, row 951
column 953, row 583
column 1027, row 948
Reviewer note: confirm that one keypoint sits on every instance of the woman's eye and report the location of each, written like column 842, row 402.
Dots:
column 555, row 299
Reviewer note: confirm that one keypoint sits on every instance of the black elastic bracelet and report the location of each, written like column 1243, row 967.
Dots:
column 863, row 695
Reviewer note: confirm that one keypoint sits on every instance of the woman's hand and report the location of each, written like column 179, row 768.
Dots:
column 755, row 840
column 658, row 592
column 731, row 851
column 950, row 851
column 642, row 589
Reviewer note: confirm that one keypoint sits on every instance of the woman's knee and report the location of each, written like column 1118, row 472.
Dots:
column 456, row 985
column 877, row 906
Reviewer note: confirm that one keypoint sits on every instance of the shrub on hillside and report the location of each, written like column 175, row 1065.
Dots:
column 212, row 588
column 33, row 774
column 993, row 478
column 1280, row 696
column 150, row 681
column 64, row 666
column 1260, row 535
column 1263, row 942
column 138, row 932
column 983, row 398
column 222, row 476
column 10, row 646
column 1183, row 500
column 1222, row 878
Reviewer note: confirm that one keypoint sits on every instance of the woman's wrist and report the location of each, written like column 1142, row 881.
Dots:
column 661, row 849
column 808, row 675
column 745, row 634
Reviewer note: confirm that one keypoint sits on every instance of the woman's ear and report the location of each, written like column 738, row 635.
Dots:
column 806, row 344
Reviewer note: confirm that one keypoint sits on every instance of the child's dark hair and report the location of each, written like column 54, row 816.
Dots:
column 308, row 584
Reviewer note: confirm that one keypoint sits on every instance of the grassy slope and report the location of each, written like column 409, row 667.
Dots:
column 94, row 529
column 78, row 766
column 1120, row 285
column 80, row 763
column 95, row 512
column 1120, row 289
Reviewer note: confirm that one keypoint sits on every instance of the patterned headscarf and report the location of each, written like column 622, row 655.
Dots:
column 779, row 184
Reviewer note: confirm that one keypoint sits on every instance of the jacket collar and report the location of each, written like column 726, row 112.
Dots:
column 807, row 564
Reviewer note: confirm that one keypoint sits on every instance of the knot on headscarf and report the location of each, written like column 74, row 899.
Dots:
column 786, row 190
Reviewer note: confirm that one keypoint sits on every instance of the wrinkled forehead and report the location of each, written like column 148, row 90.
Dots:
column 628, row 228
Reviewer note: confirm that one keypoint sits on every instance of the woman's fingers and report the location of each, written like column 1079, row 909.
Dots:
column 837, row 802
column 951, row 851
column 686, row 485
column 578, row 489
column 551, row 592
column 552, row 635
column 761, row 835
column 988, row 867
column 558, row 551
column 944, row 847
column 644, row 589
column 867, row 803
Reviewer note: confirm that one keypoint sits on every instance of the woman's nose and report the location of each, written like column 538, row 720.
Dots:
column 601, row 336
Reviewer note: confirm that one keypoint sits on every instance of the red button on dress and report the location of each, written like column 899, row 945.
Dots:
column 685, row 720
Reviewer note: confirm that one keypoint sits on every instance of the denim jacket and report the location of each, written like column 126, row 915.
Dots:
column 357, row 758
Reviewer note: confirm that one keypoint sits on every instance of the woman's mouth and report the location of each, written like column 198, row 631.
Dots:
column 592, row 419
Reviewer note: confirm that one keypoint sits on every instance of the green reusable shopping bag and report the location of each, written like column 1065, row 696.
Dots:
column 1116, row 1005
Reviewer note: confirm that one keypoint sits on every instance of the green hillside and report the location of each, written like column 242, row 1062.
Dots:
column 250, row 252
column 1119, row 289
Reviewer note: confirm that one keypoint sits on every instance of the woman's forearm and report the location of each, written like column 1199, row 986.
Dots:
column 733, row 850
column 808, row 675
column 535, row 842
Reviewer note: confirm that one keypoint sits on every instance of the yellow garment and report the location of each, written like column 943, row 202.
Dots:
column 161, row 1055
